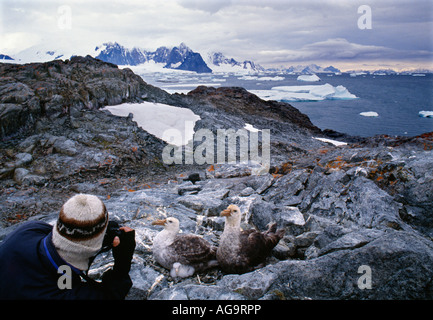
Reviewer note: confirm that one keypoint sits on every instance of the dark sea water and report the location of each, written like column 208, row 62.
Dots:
column 397, row 99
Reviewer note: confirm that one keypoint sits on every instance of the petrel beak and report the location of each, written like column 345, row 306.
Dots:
column 226, row 213
column 159, row 222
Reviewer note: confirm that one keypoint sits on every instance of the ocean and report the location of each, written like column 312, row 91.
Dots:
column 395, row 100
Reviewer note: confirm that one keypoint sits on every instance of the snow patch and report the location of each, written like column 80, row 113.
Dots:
column 175, row 65
column 334, row 142
column 160, row 119
column 251, row 128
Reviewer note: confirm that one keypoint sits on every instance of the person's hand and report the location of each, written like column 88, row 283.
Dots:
column 116, row 240
column 123, row 249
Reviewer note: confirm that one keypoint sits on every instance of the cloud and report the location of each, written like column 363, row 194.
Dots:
column 268, row 32
column 11, row 41
column 340, row 49
column 211, row 6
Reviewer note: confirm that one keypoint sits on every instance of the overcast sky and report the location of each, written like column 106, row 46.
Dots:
column 269, row 32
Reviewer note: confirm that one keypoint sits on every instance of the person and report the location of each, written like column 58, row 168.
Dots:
column 40, row 261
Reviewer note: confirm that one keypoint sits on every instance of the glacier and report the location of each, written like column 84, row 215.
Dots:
column 305, row 93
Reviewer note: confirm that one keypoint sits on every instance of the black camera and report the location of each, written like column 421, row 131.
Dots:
column 113, row 230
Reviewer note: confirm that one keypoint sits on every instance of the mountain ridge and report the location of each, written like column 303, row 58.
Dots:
column 177, row 58
column 180, row 57
column 220, row 63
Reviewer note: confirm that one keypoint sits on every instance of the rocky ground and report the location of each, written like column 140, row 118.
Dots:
column 367, row 204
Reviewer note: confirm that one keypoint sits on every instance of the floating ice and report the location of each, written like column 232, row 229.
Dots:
column 191, row 85
column 426, row 114
column 369, row 114
column 276, row 78
column 305, row 93
column 160, row 119
column 357, row 74
column 308, row 77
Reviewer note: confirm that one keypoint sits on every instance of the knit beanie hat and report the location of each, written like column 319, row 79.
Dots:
column 80, row 229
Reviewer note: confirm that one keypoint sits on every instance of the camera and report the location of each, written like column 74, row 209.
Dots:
column 107, row 243
column 111, row 232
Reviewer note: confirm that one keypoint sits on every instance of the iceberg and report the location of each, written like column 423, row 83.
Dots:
column 160, row 120
column 305, row 93
column 308, row 77
column 276, row 78
column 369, row 114
column 426, row 114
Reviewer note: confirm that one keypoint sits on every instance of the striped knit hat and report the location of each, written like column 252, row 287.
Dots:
column 80, row 229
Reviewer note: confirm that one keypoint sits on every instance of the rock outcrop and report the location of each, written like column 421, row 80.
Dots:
column 31, row 91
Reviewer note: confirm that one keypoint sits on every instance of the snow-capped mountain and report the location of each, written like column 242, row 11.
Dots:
column 221, row 64
column 310, row 69
column 176, row 58
column 43, row 53
column 38, row 54
column 117, row 54
column 180, row 58
column 183, row 58
column 332, row 69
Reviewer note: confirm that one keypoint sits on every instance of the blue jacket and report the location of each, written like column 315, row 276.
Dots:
column 28, row 270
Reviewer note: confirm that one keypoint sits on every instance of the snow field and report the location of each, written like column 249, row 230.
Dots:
column 161, row 120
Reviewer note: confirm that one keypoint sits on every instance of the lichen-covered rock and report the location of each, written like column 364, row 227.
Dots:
column 50, row 89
